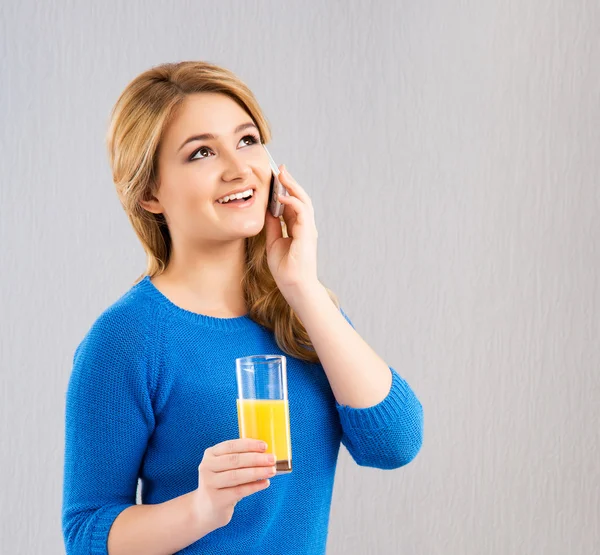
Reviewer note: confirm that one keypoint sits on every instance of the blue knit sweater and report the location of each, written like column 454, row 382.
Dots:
column 153, row 386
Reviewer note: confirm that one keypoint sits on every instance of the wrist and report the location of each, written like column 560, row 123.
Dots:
column 200, row 516
column 304, row 296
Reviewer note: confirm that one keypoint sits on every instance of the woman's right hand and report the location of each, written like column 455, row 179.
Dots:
column 230, row 471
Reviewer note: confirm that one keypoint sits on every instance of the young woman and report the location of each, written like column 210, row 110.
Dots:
column 152, row 393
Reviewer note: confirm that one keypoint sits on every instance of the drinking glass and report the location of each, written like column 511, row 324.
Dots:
column 262, row 405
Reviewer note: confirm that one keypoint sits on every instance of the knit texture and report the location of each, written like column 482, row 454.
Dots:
column 153, row 385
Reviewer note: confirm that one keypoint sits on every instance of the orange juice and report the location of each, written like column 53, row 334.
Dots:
column 269, row 421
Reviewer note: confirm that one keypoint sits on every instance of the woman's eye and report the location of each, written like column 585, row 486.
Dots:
column 253, row 140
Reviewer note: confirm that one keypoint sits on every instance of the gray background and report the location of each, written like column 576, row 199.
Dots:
column 452, row 151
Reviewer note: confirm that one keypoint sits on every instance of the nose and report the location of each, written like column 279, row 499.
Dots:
column 235, row 166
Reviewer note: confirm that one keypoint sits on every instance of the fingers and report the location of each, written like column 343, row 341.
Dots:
column 230, row 471
column 241, row 460
column 237, row 446
column 241, row 476
column 296, row 212
column 236, row 462
column 239, row 492
column 274, row 229
column 298, row 209
column 293, row 186
column 301, row 208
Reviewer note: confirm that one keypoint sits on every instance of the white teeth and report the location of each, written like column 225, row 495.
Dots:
column 249, row 193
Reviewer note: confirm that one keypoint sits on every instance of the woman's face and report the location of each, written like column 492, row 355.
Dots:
column 194, row 174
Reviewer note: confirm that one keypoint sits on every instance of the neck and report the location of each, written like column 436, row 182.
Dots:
column 207, row 281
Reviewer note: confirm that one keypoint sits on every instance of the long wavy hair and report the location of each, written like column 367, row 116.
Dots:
column 138, row 121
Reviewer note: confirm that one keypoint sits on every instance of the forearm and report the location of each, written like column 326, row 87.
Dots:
column 358, row 377
column 160, row 529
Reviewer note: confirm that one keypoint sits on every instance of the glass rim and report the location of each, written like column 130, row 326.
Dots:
column 260, row 359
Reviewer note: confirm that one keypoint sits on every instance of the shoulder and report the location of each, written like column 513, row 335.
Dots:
column 116, row 356
column 121, row 331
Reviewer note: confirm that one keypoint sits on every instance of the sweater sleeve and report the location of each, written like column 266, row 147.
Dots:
column 388, row 435
column 108, row 420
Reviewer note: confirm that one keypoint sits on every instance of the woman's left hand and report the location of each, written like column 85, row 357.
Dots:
column 293, row 259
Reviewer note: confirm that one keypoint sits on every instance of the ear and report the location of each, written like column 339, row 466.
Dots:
column 152, row 205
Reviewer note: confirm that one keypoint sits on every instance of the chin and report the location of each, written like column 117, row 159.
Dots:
column 250, row 229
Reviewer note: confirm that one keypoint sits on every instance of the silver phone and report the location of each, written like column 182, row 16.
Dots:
column 275, row 207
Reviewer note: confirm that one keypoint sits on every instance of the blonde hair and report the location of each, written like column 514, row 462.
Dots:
column 138, row 122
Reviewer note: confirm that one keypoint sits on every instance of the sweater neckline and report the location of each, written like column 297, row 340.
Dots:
column 235, row 323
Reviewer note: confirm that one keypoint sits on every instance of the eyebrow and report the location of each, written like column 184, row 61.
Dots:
column 207, row 136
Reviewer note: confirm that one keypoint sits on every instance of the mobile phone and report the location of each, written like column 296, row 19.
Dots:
column 275, row 207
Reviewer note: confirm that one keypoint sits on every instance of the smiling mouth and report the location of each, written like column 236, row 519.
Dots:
column 237, row 199
column 238, row 203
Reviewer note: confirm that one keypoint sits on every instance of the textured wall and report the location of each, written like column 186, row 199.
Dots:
column 452, row 152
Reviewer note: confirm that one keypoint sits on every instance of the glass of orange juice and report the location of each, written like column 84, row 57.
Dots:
column 262, row 405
